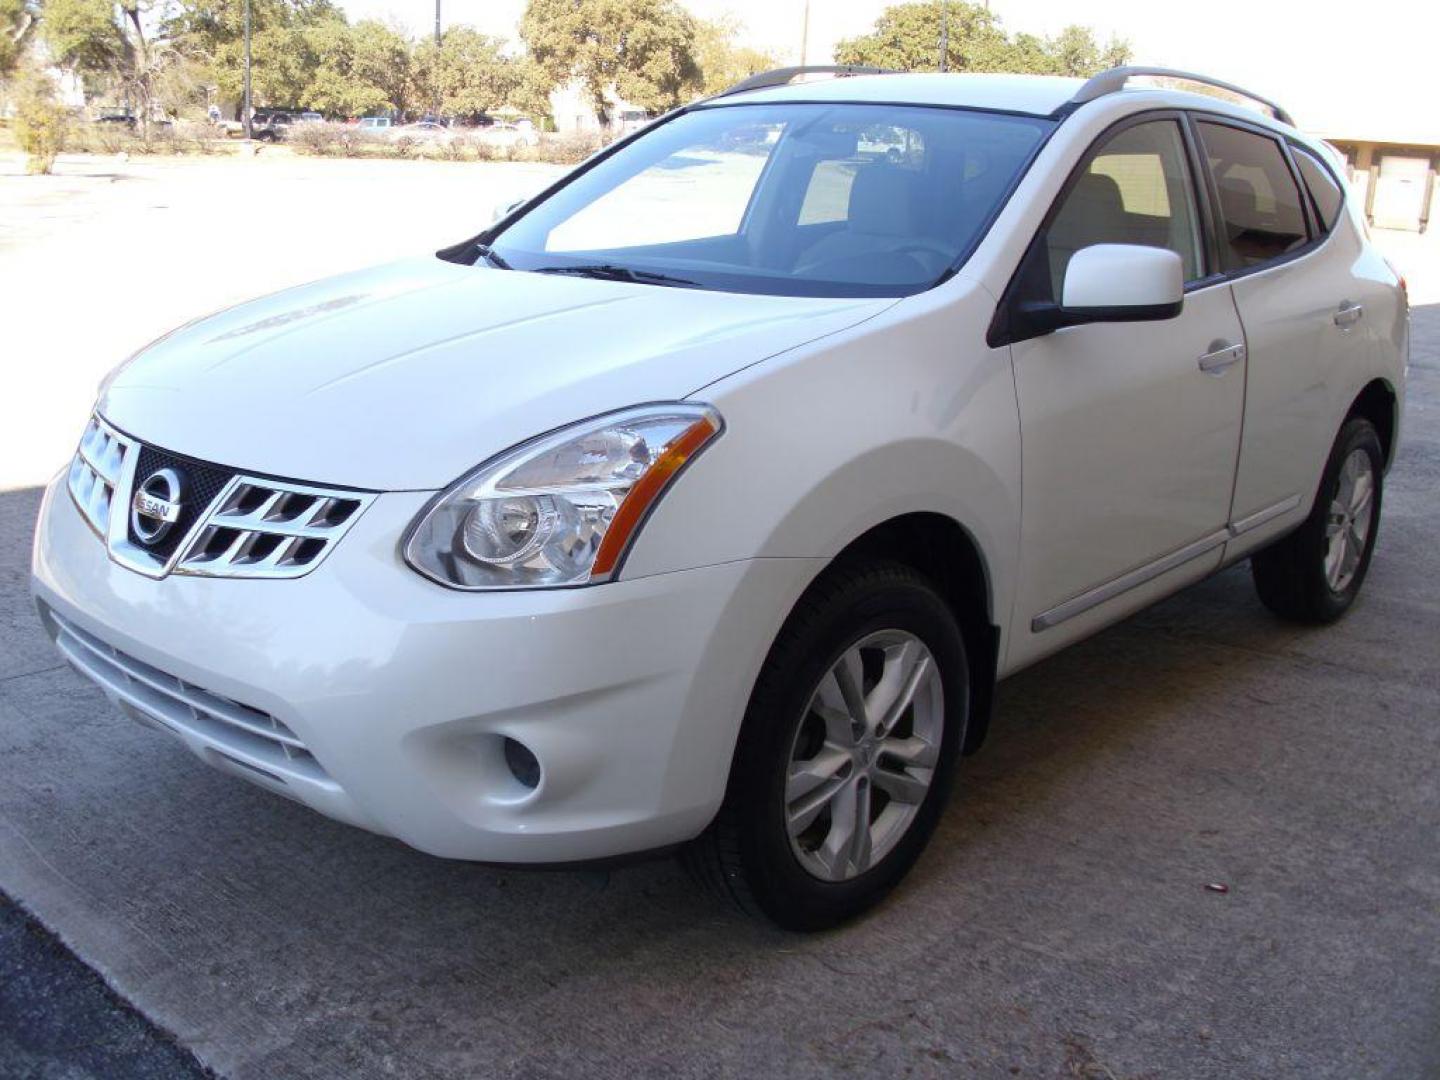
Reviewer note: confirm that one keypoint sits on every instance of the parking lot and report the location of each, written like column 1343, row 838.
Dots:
column 1059, row 926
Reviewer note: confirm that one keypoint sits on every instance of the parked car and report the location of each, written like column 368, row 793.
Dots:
column 269, row 125
column 630, row 120
column 508, row 135
column 130, row 120
column 421, row 131
column 698, row 503
column 375, row 123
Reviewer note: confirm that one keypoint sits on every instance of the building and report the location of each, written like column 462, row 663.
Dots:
column 1395, row 169
column 574, row 112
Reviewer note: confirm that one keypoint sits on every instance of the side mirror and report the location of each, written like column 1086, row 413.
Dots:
column 503, row 209
column 1122, row 283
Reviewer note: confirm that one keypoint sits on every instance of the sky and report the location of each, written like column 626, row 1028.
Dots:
column 1339, row 74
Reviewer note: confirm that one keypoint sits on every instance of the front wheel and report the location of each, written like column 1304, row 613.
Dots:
column 846, row 752
column 1314, row 574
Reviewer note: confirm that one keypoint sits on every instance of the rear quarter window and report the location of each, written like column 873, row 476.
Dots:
column 1325, row 191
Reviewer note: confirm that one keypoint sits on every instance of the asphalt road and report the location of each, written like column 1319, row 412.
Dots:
column 1059, row 926
column 59, row 1021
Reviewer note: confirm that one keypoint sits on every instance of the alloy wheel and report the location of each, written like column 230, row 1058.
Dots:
column 1349, row 522
column 864, row 755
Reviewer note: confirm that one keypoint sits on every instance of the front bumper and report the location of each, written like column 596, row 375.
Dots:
column 383, row 700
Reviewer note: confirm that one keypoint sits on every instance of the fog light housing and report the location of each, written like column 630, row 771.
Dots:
column 524, row 765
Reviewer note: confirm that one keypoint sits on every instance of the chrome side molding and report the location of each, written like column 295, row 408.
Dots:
column 1131, row 579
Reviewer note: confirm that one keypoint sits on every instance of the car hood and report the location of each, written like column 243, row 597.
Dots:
column 404, row 376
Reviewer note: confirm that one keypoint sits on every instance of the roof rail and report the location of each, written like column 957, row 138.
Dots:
column 785, row 75
column 1113, row 81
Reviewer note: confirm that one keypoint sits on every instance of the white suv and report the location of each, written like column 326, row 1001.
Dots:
column 701, row 500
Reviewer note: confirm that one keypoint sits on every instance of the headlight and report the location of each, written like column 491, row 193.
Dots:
column 562, row 509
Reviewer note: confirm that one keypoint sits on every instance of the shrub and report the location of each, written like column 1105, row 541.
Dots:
column 40, row 123
column 317, row 140
column 564, row 149
column 201, row 136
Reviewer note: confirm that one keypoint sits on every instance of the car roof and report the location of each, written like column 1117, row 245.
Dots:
column 1040, row 95
column 1034, row 95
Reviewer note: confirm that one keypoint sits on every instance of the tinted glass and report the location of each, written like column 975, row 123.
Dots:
column 1324, row 189
column 1136, row 189
column 1259, row 202
column 790, row 199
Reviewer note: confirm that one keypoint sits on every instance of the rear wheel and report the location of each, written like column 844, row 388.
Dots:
column 1315, row 573
column 846, row 753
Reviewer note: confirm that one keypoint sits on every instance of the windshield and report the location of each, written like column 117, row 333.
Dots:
column 787, row 199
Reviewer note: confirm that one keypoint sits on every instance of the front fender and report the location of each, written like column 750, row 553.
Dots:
column 908, row 412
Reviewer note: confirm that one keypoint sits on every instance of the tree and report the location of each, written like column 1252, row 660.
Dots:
column 289, row 39
column 907, row 38
column 642, row 50
column 17, row 27
column 1074, row 51
column 341, row 82
column 467, row 73
column 39, row 121
column 107, row 39
column 722, row 63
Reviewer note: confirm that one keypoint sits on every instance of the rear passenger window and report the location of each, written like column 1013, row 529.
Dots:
column 1259, row 202
column 1136, row 189
column 1325, row 190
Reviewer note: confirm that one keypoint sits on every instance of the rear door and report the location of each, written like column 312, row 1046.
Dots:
column 1302, row 309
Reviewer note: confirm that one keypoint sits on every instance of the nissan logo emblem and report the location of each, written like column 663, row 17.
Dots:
column 156, row 506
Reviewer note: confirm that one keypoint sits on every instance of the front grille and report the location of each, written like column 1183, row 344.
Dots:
column 252, row 737
column 269, row 528
column 229, row 524
column 200, row 484
column 96, row 472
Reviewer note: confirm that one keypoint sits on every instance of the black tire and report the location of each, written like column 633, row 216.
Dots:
column 745, row 855
column 1290, row 575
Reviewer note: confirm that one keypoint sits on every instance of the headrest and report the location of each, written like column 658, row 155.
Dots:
column 1238, row 199
column 1098, row 194
column 882, row 201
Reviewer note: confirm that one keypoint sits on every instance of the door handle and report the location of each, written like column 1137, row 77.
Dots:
column 1217, row 361
column 1348, row 315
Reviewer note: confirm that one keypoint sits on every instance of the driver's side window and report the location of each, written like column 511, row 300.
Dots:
column 1135, row 189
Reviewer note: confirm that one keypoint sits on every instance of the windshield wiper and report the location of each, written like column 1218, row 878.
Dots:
column 485, row 252
column 612, row 272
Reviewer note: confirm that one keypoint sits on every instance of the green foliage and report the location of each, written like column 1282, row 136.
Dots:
column 360, row 70
column 467, row 73
column 643, row 49
column 85, row 34
column 40, row 122
column 722, row 63
column 290, row 39
column 17, row 26
column 907, row 38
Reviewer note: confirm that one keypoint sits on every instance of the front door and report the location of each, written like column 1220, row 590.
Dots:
column 1130, row 431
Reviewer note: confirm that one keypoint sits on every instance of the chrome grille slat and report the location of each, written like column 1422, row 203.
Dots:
column 96, row 472
column 248, row 735
column 250, row 508
column 253, row 527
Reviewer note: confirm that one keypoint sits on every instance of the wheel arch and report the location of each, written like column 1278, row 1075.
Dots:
column 1378, row 403
column 942, row 549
